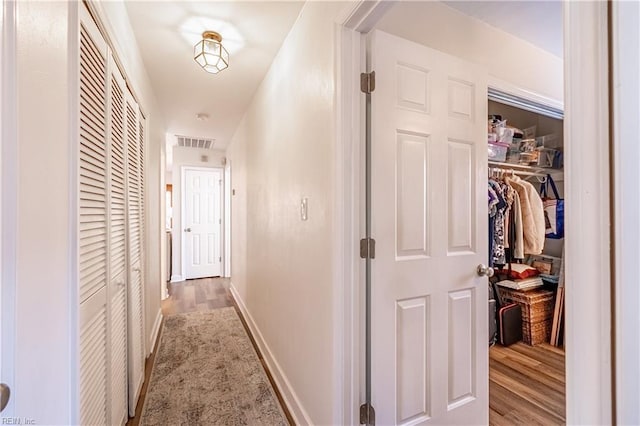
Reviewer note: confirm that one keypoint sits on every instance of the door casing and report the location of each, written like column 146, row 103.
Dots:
column 589, row 378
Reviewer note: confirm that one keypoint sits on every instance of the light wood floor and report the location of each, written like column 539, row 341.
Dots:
column 526, row 385
column 197, row 295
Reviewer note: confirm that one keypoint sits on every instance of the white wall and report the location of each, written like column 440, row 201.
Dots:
column 185, row 157
column 44, row 282
column 282, row 269
column 114, row 16
column 506, row 57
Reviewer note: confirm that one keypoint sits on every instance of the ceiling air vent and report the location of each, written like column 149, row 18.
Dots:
column 190, row 142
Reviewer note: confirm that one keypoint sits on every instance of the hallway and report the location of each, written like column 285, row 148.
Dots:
column 200, row 298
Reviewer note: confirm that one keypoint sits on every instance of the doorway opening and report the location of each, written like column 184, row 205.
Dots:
column 363, row 21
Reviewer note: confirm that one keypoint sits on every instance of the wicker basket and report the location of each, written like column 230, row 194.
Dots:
column 536, row 333
column 537, row 313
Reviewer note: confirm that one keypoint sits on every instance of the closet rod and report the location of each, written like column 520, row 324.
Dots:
column 503, row 171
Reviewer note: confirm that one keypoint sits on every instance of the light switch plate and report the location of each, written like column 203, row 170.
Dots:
column 304, row 205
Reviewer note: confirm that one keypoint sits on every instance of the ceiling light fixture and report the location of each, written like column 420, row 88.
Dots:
column 210, row 54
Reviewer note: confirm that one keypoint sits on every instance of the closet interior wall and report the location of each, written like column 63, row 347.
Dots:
column 111, row 153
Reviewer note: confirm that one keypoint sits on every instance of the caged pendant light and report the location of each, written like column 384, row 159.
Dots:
column 210, row 53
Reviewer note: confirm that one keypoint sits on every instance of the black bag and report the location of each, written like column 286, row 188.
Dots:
column 493, row 326
column 509, row 320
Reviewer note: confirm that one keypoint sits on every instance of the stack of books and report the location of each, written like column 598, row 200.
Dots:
column 524, row 284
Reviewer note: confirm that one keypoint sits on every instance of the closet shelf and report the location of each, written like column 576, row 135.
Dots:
column 556, row 174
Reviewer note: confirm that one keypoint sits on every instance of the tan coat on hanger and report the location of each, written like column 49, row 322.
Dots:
column 533, row 224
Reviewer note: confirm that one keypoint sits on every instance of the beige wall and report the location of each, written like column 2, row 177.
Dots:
column 282, row 266
column 506, row 57
column 116, row 19
column 185, row 157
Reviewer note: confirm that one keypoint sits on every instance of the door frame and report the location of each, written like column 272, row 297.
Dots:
column 8, row 197
column 183, row 187
column 589, row 378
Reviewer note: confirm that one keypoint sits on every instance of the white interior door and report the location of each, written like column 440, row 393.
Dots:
column 93, row 223
column 429, row 220
column 135, row 318
column 202, row 223
column 118, row 244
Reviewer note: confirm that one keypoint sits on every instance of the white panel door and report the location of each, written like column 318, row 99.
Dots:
column 118, row 245
column 202, row 221
column 135, row 319
column 429, row 220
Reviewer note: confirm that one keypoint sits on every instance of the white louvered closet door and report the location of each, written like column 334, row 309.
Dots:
column 118, row 273
column 93, row 222
column 135, row 317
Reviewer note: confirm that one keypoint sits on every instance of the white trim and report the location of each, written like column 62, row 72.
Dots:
column 177, row 278
column 587, row 223
column 512, row 89
column 227, row 220
column 626, row 151
column 8, row 197
column 297, row 411
column 154, row 332
column 183, row 170
column 74, row 209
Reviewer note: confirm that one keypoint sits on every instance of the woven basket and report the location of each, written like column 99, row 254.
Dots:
column 537, row 313
column 536, row 333
column 537, row 305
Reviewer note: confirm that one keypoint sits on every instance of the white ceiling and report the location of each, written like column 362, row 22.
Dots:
column 166, row 31
column 538, row 22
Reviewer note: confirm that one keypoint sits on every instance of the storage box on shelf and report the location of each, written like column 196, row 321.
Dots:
column 537, row 313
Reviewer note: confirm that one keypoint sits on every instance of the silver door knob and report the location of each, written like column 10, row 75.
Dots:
column 5, row 394
column 484, row 270
column 187, row 229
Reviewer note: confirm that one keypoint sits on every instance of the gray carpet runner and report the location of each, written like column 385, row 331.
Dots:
column 207, row 372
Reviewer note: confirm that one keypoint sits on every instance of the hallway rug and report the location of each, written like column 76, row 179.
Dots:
column 207, row 372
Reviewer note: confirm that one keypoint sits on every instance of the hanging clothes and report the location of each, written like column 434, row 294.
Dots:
column 532, row 213
column 516, row 220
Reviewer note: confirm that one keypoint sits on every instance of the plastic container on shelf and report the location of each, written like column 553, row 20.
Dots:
column 497, row 151
column 548, row 141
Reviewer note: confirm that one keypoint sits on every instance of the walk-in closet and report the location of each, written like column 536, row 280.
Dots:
column 526, row 239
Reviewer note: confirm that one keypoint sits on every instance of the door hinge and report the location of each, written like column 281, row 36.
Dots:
column 368, row 82
column 367, row 415
column 368, row 248
column 219, row 259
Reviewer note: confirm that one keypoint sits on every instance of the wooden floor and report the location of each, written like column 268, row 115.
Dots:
column 197, row 295
column 200, row 295
column 526, row 385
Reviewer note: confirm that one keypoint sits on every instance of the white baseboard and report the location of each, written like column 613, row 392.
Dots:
column 154, row 332
column 297, row 411
column 176, row 278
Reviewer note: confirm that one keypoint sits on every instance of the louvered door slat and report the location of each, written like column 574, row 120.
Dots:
column 135, row 317
column 92, row 221
column 117, row 237
column 93, row 342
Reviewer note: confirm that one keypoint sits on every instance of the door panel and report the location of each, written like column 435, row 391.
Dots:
column 93, row 223
column 135, row 320
column 117, row 232
column 203, row 218
column 429, row 307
